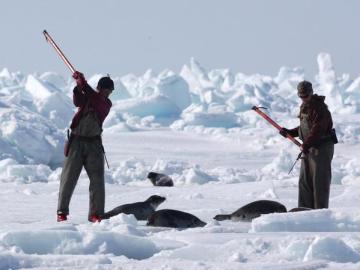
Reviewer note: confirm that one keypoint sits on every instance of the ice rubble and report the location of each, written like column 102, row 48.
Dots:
column 69, row 245
column 323, row 220
column 36, row 109
column 123, row 236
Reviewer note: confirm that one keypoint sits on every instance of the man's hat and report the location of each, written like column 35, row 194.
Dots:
column 304, row 88
column 105, row 83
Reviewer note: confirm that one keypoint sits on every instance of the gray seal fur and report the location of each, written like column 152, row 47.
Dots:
column 160, row 180
column 300, row 209
column 141, row 210
column 174, row 219
column 253, row 210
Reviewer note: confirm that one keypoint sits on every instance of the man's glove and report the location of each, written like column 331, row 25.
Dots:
column 284, row 132
column 80, row 79
column 305, row 149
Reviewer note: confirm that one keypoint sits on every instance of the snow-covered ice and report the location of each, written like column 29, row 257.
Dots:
column 196, row 126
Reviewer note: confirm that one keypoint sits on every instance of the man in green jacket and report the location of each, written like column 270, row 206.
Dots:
column 318, row 136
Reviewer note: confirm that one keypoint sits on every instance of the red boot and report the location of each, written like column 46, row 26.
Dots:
column 61, row 217
column 94, row 218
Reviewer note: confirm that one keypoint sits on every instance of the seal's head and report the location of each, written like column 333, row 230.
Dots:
column 155, row 200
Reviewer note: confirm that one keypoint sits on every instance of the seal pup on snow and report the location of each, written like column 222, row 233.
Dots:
column 141, row 210
column 300, row 209
column 253, row 210
column 174, row 219
column 160, row 180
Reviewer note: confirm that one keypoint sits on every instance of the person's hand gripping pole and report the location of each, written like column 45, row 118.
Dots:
column 281, row 130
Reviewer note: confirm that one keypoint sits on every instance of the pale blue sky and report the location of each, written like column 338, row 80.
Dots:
column 120, row 37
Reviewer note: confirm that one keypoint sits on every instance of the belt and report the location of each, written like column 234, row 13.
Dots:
column 326, row 139
column 87, row 139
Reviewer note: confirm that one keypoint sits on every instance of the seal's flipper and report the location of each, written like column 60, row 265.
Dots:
column 222, row 217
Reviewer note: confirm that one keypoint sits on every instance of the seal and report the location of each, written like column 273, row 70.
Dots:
column 253, row 210
column 141, row 210
column 160, row 180
column 300, row 209
column 174, row 219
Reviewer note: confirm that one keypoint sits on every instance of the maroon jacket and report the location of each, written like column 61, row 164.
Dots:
column 99, row 103
column 320, row 121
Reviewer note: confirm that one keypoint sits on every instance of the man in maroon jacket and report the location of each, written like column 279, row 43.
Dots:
column 84, row 147
column 318, row 136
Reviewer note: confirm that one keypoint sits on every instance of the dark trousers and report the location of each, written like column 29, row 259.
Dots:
column 315, row 177
column 90, row 156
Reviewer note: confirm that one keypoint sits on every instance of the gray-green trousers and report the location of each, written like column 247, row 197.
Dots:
column 90, row 156
column 315, row 177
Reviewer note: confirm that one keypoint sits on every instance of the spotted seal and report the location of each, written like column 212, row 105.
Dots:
column 253, row 210
column 141, row 210
column 174, row 219
column 300, row 209
column 160, row 180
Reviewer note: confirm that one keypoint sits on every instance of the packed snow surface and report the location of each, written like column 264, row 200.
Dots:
column 196, row 126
